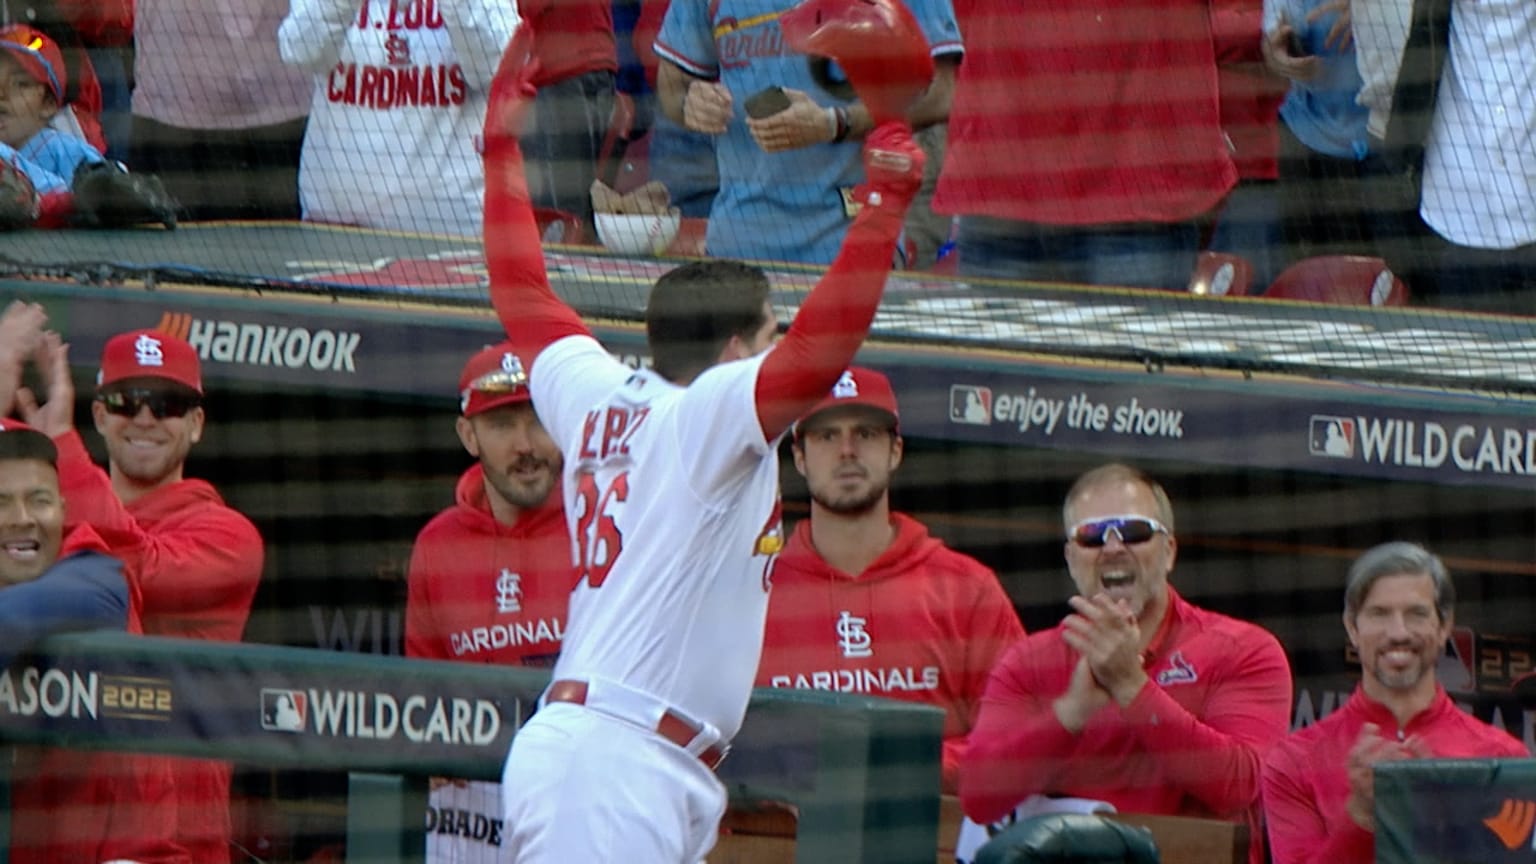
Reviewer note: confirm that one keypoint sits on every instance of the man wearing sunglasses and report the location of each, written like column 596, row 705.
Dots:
column 1138, row 698
column 490, row 577
column 195, row 560
column 864, row 600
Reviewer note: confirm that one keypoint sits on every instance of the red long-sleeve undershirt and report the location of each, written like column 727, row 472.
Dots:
column 822, row 341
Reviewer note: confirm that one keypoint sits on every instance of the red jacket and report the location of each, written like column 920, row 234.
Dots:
column 71, row 806
column 1250, row 94
column 99, row 22
column 197, row 563
column 572, row 37
column 923, row 623
column 1190, row 744
column 1306, row 783
column 1086, row 112
column 483, row 592
column 74, row 806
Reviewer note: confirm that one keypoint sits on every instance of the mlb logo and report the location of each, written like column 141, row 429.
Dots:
column 970, row 405
column 283, row 710
column 1333, row 437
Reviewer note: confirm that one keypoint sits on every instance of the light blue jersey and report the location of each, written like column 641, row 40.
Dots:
column 49, row 159
column 785, row 206
column 1322, row 113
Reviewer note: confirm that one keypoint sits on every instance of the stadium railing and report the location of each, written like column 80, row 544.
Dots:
column 863, row 773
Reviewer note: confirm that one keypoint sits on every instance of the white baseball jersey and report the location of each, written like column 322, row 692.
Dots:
column 672, row 496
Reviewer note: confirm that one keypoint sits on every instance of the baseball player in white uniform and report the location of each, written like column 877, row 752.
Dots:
column 672, row 497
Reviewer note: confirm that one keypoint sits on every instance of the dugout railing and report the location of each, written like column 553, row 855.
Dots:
column 863, row 773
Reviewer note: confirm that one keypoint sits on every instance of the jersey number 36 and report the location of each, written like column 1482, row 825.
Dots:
column 597, row 535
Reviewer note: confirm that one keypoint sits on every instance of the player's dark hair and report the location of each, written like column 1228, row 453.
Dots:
column 27, row 445
column 694, row 311
column 1398, row 559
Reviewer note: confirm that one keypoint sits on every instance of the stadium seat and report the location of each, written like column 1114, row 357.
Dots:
column 1221, row 274
column 1355, row 280
column 558, row 226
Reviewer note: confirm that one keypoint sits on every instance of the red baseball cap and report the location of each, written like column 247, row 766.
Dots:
column 492, row 378
column 150, row 354
column 20, row 441
column 862, row 387
column 37, row 54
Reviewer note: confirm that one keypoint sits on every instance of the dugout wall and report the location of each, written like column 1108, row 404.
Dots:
column 1291, row 437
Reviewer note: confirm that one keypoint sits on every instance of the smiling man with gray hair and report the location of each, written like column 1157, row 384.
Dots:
column 1319, row 797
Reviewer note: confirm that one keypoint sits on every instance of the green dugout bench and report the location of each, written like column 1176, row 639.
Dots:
column 863, row 773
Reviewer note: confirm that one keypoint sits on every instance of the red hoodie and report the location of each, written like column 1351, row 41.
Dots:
column 70, row 806
column 1306, row 778
column 484, row 592
column 197, row 563
column 923, row 623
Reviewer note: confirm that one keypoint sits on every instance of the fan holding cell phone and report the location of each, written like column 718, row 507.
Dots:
column 789, row 149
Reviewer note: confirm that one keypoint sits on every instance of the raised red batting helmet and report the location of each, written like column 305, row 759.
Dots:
column 878, row 44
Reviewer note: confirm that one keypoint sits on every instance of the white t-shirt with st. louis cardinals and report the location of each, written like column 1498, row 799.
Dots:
column 399, row 104
column 673, row 500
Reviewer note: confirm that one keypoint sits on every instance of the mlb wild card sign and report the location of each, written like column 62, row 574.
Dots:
column 277, row 706
column 1324, row 429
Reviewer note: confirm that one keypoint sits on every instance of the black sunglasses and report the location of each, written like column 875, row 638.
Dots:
column 1094, row 533
column 161, row 403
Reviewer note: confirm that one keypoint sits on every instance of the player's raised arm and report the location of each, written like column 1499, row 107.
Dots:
column 835, row 318
column 532, row 314
column 882, row 50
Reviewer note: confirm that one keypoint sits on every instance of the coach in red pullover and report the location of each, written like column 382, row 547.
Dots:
column 1137, row 698
column 1319, row 799
column 864, row 600
column 195, row 561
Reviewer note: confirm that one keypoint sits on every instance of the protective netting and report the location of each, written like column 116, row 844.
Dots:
column 1107, row 190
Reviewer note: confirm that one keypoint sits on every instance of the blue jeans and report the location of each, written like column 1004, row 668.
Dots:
column 684, row 161
column 1479, row 280
column 112, row 65
column 563, row 139
column 1249, row 225
column 1136, row 255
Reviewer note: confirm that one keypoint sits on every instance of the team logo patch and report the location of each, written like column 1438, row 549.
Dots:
column 970, row 405
column 846, row 387
column 1333, row 437
column 147, row 351
column 509, row 592
column 852, row 637
column 283, row 710
column 1179, row 671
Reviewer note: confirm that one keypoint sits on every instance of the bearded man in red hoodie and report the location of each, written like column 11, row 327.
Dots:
column 491, row 576
column 864, row 600
column 195, row 561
